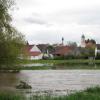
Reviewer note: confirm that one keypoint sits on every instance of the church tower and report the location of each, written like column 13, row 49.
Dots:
column 83, row 41
column 62, row 41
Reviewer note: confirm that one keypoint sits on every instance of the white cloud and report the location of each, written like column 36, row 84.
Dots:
column 49, row 20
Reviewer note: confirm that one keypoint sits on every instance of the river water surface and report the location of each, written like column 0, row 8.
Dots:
column 54, row 81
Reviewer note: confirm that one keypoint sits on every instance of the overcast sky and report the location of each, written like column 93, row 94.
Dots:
column 47, row 21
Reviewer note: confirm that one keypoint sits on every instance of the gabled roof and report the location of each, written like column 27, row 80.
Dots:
column 31, row 51
column 35, row 49
column 43, row 47
column 62, row 50
column 29, row 47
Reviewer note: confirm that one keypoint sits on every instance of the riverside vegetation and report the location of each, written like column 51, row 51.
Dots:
column 88, row 94
column 57, row 64
column 53, row 64
column 71, row 61
column 11, row 41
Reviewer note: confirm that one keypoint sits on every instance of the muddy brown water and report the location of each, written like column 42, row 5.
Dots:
column 51, row 81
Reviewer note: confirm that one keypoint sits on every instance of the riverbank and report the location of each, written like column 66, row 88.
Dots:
column 88, row 94
column 53, row 65
column 62, row 67
column 58, row 64
column 72, row 61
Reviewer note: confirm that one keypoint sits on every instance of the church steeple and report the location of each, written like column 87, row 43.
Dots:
column 83, row 37
column 83, row 41
column 62, row 41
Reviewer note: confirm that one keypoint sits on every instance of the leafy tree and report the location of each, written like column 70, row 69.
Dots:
column 72, row 44
column 91, row 51
column 50, row 48
column 11, row 41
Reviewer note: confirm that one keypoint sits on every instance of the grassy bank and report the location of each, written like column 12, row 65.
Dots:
column 54, row 64
column 61, row 64
column 88, row 94
column 54, row 67
column 4, row 95
column 75, row 61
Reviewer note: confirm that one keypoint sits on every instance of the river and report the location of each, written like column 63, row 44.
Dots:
column 51, row 81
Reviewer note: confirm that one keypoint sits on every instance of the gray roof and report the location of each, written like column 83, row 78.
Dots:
column 42, row 47
column 98, row 46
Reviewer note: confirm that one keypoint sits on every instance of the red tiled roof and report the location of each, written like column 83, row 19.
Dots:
column 34, row 53
column 62, row 50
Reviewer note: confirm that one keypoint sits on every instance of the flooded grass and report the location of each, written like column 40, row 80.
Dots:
column 61, row 66
column 58, row 64
column 11, row 96
column 55, row 64
column 88, row 94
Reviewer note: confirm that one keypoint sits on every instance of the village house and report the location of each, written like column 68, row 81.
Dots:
column 62, row 51
column 47, row 51
column 87, row 43
column 36, row 52
column 33, row 52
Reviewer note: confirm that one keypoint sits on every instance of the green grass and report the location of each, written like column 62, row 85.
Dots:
column 60, row 66
column 72, row 61
column 88, row 94
column 11, row 96
column 56, row 64
column 56, row 67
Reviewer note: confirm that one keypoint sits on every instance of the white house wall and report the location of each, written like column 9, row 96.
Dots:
column 35, row 49
column 97, row 51
column 36, row 57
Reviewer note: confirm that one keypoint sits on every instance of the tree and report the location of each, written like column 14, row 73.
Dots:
column 91, row 51
column 11, row 41
column 72, row 44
